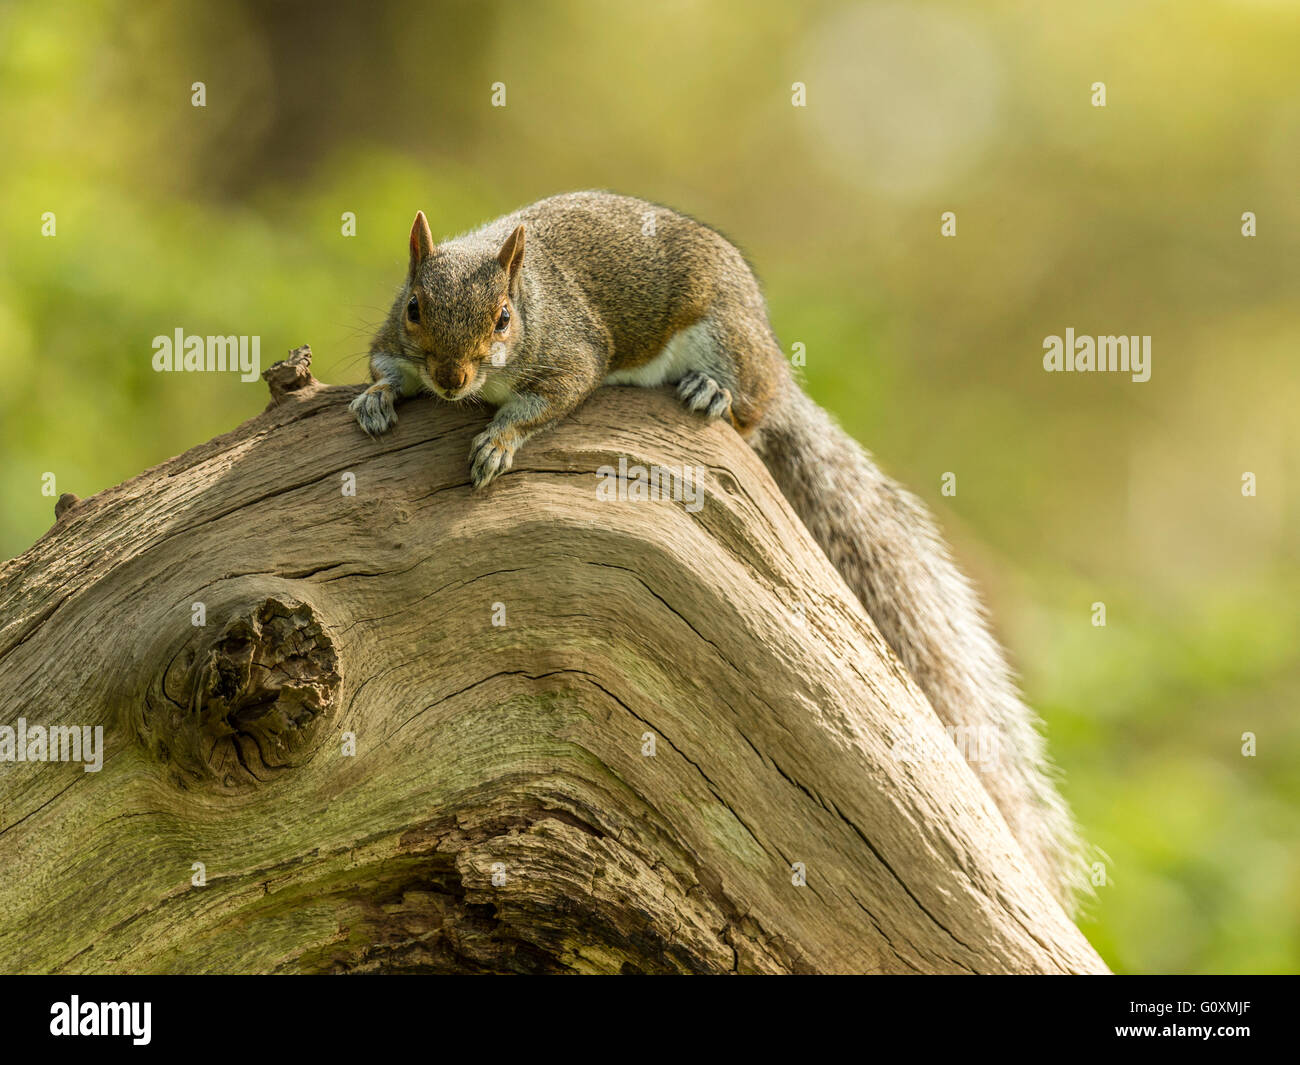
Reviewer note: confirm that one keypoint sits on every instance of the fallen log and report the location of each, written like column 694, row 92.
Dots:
column 356, row 717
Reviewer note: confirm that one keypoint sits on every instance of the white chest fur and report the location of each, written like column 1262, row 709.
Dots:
column 691, row 349
column 496, row 390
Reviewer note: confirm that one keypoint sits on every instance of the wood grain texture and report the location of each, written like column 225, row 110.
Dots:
column 514, row 748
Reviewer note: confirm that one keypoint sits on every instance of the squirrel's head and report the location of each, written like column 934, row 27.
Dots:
column 458, row 310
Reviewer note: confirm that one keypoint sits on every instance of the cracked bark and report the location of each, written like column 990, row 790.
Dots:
column 499, row 814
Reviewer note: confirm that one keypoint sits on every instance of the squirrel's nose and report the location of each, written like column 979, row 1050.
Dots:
column 452, row 377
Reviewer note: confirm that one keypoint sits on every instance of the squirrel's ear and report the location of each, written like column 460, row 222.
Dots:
column 421, row 240
column 511, row 255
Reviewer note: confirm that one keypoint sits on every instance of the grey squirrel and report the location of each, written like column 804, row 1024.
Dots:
column 536, row 310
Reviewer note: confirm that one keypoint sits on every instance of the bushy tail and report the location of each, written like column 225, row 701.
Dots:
column 885, row 545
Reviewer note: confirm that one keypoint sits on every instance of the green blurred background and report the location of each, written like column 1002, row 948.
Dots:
column 1072, row 489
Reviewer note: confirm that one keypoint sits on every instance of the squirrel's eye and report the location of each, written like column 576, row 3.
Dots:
column 503, row 320
column 413, row 309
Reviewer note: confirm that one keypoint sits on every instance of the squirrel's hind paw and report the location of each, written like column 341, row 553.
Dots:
column 375, row 410
column 701, row 393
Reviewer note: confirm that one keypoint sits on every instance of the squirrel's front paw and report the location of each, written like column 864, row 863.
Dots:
column 374, row 409
column 701, row 393
column 491, row 454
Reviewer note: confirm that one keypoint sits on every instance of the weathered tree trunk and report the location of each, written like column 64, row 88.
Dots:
column 590, row 735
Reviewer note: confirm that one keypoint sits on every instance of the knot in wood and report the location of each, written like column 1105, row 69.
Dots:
column 257, row 697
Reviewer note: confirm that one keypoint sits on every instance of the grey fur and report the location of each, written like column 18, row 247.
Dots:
column 885, row 545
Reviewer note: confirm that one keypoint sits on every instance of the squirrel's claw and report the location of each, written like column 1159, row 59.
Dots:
column 701, row 393
column 489, row 456
column 374, row 409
